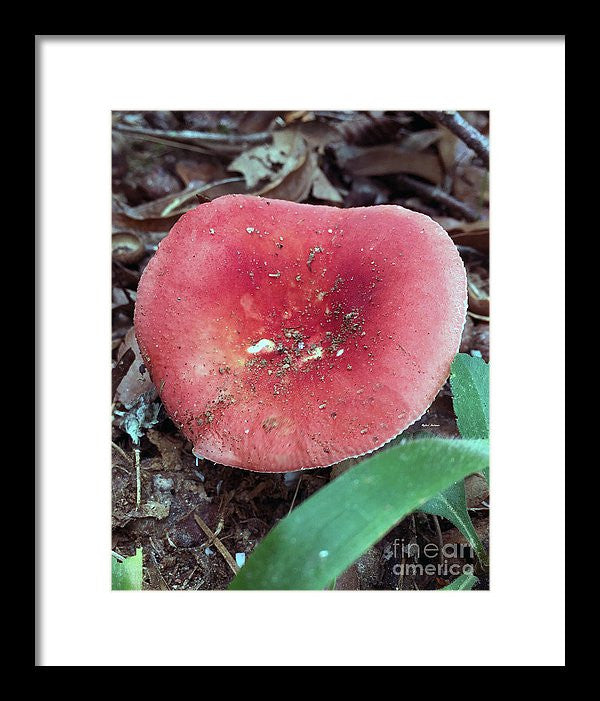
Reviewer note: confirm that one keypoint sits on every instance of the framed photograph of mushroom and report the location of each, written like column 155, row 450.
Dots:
column 300, row 350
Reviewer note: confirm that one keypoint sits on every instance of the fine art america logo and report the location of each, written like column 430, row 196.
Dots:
column 411, row 559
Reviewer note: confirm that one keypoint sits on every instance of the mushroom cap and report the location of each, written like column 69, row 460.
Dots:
column 284, row 336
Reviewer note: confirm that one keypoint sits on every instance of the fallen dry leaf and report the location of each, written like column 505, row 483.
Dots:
column 453, row 151
column 272, row 162
column 472, row 234
column 479, row 301
column 471, row 185
column 160, row 215
column 322, row 189
column 370, row 129
column 420, row 140
column 298, row 116
column 134, row 382
column 390, row 159
column 319, row 134
column 170, row 449
column 121, row 369
column 199, row 171
column 289, row 165
column 296, row 185
column 154, row 509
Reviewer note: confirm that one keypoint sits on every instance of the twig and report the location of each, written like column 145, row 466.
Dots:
column 416, row 205
column 188, row 579
column 438, row 530
column 171, row 144
column 465, row 131
column 162, row 582
column 295, row 495
column 436, row 194
column 120, row 467
column 218, row 544
column 202, row 136
column 121, row 452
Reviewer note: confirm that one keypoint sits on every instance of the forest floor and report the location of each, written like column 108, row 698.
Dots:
column 182, row 511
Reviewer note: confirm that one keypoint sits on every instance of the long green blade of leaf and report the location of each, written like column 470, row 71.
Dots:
column 462, row 583
column 470, row 380
column 325, row 534
column 128, row 573
column 452, row 504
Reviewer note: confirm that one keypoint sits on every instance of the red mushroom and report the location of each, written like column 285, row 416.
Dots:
column 284, row 336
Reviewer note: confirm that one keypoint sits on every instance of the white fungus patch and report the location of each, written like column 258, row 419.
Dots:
column 263, row 344
column 313, row 354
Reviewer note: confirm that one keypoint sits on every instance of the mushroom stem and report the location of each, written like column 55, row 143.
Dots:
column 138, row 479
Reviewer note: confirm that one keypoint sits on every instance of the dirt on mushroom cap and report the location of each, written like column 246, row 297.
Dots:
column 287, row 336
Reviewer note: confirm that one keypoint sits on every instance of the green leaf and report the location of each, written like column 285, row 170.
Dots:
column 452, row 504
column 128, row 573
column 470, row 382
column 325, row 534
column 465, row 581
